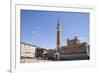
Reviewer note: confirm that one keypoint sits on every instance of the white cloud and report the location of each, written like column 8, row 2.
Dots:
column 81, row 38
column 37, row 34
column 39, row 28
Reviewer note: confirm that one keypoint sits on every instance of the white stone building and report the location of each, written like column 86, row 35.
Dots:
column 27, row 50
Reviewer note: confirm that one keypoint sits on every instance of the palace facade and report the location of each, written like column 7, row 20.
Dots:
column 74, row 50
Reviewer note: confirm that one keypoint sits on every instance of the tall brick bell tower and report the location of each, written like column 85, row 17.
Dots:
column 58, row 36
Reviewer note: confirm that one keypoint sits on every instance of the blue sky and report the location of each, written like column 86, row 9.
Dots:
column 39, row 27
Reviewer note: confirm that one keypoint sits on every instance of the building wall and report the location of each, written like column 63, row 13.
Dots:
column 77, row 56
column 81, row 48
column 73, row 42
column 74, row 50
column 27, row 50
